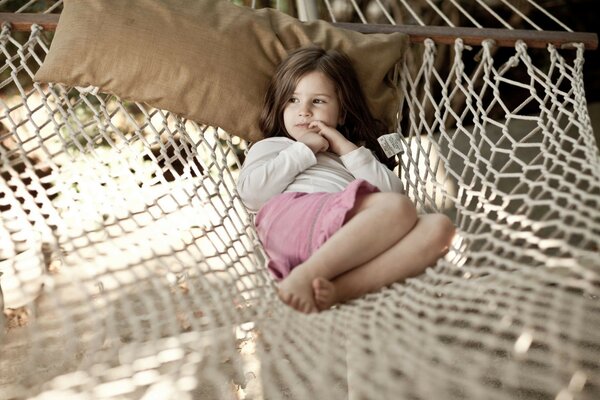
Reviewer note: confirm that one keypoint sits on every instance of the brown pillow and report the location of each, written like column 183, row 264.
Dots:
column 207, row 60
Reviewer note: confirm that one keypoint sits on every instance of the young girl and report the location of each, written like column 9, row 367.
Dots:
column 331, row 214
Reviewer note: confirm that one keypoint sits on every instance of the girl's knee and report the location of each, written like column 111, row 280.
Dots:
column 442, row 229
column 400, row 207
column 393, row 207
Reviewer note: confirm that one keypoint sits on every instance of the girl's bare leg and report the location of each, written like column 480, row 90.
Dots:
column 419, row 249
column 376, row 223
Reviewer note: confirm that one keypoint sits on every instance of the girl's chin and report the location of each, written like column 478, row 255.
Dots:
column 301, row 132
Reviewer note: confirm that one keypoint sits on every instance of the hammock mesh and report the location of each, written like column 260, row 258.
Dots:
column 131, row 268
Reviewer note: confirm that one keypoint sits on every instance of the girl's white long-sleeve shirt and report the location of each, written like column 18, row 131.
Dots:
column 279, row 164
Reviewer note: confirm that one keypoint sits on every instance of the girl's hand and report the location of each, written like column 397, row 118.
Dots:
column 338, row 144
column 314, row 141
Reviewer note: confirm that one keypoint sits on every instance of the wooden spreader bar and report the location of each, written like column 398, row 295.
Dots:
column 439, row 34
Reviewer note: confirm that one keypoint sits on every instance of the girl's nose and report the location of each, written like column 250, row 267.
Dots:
column 304, row 110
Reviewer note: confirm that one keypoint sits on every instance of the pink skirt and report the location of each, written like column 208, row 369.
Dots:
column 292, row 226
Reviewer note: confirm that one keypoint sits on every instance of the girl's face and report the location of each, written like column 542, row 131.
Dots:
column 314, row 99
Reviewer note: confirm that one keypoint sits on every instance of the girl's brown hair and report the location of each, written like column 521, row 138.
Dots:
column 359, row 126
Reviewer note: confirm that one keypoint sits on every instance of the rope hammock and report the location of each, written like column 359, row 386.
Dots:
column 131, row 269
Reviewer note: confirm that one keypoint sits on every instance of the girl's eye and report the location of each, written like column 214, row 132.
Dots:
column 318, row 101
column 293, row 100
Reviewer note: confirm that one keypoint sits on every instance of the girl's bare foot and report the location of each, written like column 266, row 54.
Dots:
column 324, row 293
column 296, row 291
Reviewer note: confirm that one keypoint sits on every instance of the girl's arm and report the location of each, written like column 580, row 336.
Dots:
column 359, row 160
column 363, row 164
column 270, row 167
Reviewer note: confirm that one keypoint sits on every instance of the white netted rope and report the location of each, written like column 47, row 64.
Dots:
column 154, row 281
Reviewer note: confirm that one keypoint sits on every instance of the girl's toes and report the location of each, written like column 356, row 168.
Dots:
column 295, row 302
column 285, row 297
column 324, row 293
